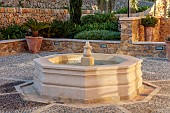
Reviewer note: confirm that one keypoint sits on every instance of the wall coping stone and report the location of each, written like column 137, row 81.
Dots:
column 149, row 43
column 77, row 40
column 129, row 18
column 11, row 40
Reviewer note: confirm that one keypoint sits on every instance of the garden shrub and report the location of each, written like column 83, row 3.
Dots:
column 98, row 18
column 65, row 29
column 13, row 32
column 149, row 21
column 143, row 8
column 51, row 31
column 110, row 26
column 98, row 35
column 59, row 29
column 124, row 10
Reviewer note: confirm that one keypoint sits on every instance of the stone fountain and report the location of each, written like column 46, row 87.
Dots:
column 89, row 77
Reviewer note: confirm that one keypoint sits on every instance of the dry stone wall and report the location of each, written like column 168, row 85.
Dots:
column 49, row 4
column 60, row 4
column 19, row 15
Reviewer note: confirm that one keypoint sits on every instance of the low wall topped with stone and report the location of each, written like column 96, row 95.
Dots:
column 152, row 49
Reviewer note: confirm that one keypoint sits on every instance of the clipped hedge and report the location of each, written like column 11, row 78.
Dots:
column 98, row 35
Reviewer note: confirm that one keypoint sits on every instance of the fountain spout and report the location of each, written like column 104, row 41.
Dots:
column 87, row 59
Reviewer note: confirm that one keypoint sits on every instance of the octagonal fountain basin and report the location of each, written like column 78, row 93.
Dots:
column 113, row 77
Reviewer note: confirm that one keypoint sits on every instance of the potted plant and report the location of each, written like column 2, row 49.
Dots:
column 149, row 23
column 168, row 47
column 34, row 41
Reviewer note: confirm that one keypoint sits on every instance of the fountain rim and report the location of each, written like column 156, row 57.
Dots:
column 45, row 63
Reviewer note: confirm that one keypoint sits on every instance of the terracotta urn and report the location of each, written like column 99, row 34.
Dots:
column 34, row 43
column 168, row 50
column 148, row 33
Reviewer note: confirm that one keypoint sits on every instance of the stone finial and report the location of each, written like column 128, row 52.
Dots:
column 87, row 50
column 87, row 59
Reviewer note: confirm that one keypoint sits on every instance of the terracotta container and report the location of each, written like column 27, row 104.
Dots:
column 148, row 33
column 168, row 50
column 34, row 43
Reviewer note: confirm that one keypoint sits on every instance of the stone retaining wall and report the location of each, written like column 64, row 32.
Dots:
column 60, row 4
column 76, row 46
column 19, row 15
column 49, row 4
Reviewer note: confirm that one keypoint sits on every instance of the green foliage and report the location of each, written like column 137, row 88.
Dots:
column 64, row 29
column 34, row 25
column 51, row 31
column 124, row 10
column 99, row 18
column 149, row 21
column 59, row 29
column 13, row 32
column 110, row 26
column 98, row 35
column 75, row 11
column 142, row 8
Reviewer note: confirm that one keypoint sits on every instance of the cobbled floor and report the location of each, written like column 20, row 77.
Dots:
column 18, row 69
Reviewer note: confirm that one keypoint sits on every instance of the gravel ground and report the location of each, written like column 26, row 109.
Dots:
column 65, row 109
column 7, row 86
column 157, row 103
column 13, row 103
column 165, row 87
column 155, row 69
column 20, row 67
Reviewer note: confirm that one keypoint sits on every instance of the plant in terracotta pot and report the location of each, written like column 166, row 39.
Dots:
column 34, row 41
column 168, row 47
column 149, row 23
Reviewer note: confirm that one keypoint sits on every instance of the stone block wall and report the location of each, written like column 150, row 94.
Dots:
column 48, row 4
column 130, row 31
column 19, row 15
column 165, row 28
column 76, row 46
column 60, row 4
column 12, row 47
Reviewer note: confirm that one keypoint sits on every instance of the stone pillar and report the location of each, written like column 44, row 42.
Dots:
column 129, row 29
column 129, row 33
